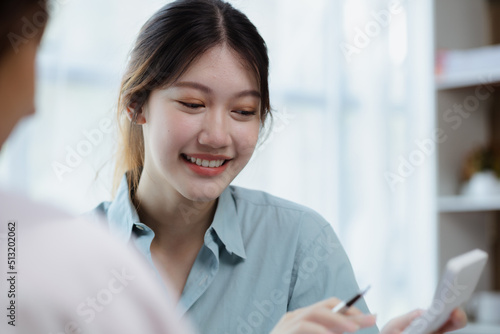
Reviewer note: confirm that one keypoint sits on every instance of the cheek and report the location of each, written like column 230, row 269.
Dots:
column 170, row 133
column 247, row 139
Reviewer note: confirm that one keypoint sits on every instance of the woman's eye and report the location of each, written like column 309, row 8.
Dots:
column 245, row 112
column 191, row 105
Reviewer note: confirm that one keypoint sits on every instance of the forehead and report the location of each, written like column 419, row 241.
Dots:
column 221, row 66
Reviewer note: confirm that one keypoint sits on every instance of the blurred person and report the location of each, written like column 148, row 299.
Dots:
column 61, row 274
column 192, row 106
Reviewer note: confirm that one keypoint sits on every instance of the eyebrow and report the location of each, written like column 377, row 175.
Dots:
column 208, row 90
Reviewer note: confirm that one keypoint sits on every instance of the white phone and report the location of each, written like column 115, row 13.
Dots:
column 457, row 284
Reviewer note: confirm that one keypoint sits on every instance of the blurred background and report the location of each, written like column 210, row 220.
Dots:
column 358, row 131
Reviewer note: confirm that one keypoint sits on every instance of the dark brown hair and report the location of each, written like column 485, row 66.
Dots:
column 21, row 20
column 167, row 44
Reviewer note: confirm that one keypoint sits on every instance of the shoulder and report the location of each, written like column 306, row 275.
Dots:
column 279, row 212
column 101, row 209
column 99, row 212
column 119, row 207
column 267, row 201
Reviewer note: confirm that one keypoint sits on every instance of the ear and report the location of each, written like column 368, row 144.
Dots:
column 133, row 110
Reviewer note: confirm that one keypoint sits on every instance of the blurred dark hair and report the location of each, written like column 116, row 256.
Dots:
column 167, row 44
column 21, row 20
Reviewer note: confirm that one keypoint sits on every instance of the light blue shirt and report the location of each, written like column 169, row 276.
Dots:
column 262, row 256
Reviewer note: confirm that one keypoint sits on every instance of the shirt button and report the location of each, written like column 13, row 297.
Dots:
column 139, row 227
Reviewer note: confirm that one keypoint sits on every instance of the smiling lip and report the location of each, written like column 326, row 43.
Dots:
column 206, row 171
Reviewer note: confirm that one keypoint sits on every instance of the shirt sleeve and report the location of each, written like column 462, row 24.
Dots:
column 321, row 268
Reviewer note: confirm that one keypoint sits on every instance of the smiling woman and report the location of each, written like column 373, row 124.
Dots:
column 192, row 105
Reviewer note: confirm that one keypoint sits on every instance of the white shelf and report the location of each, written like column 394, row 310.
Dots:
column 468, row 79
column 472, row 328
column 468, row 204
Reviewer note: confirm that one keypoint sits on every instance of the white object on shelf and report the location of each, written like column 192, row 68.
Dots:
column 482, row 184
column 467, row 79
column 465, row 204
column 463, row 68
column 471, row 59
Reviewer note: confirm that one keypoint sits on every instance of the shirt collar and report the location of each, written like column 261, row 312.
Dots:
column 226, row 224
column 123, row 216
column 122, row 213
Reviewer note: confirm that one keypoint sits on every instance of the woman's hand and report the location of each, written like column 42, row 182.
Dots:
column 457, row 320
column 319, row 319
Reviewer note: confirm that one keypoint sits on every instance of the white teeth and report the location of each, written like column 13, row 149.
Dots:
column 205, row 163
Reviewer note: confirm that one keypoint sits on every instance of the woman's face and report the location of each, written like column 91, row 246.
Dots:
column 201, row 131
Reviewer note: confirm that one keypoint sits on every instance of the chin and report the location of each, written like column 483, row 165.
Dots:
column 204, row 194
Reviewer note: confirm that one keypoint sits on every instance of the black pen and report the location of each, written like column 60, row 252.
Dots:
column 343, row 306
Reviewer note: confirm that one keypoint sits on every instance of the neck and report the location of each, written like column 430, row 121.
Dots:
column 175, row 219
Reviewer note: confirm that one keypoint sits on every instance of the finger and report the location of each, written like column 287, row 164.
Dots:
column 364, row 320
column 307, row 327
column 332, row 302
column 457, row 320
column 353, row 311
column 404, row 320
column 328, row 303
column 337, row 321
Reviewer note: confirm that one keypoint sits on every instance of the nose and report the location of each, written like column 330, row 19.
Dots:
column 215, row 129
